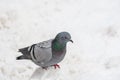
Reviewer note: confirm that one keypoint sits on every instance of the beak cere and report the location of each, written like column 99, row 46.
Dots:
column 71, row 41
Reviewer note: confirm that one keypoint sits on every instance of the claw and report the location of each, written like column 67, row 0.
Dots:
column 45, row 68
column 56, row 66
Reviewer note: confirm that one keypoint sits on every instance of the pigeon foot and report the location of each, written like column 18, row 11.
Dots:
column 56, row 66
column 45, row 68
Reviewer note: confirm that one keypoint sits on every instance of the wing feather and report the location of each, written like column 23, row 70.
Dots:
column 41, row 52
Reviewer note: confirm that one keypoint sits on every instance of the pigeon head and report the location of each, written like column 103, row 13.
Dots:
column 63, row 37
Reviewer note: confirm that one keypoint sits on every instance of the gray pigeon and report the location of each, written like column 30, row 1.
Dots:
column 47, row 53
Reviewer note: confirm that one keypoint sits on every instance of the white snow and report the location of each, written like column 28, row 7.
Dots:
column 93, row 24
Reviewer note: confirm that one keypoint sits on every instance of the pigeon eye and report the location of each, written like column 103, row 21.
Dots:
column 65, row 37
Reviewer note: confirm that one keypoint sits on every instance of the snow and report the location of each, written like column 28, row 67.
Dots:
column 93, row 24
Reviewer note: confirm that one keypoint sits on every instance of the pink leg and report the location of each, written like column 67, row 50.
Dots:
column 56, row 66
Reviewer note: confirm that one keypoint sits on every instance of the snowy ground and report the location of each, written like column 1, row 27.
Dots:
column 93, row 24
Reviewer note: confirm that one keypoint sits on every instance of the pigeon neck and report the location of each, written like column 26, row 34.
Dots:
column 57, row 46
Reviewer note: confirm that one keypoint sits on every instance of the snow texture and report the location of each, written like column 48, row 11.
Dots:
column 93, row 24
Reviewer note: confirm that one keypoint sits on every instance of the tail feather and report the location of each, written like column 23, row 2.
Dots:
column 24, row 51
column 20, row 57
column 25, row 54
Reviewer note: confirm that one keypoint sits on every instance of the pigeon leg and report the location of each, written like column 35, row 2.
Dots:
column 45, row 68
column 56, row 66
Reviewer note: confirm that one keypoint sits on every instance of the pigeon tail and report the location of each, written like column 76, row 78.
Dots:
column 25, row 54
column 24, row 51
column 20, row 57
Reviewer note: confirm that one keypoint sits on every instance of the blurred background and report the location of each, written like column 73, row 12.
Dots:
column 93, row 24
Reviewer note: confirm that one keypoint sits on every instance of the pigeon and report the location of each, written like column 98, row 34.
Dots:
column 47, row 53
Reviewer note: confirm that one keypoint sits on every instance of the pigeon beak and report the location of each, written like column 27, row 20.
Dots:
column 71, row 41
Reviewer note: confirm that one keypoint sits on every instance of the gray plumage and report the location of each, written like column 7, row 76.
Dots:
column 47, row 53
